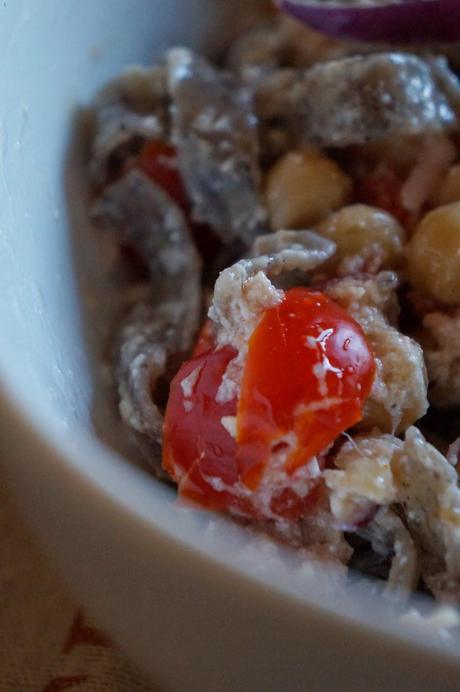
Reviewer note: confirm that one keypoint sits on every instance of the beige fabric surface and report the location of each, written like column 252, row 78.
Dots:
column 47, row 641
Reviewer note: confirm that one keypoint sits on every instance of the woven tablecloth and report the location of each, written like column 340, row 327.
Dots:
column 47, row 641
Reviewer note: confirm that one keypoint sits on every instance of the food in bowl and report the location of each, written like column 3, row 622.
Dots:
column 287, row 227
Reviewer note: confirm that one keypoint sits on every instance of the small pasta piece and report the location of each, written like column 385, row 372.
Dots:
column 433, row 255
column 362, row 477
column 441, row 349
column 367, row 239
column 427, row 491
column 386, row 527
column 303, row 187
column 449, row 190
column 399, row 395
column 435, row 156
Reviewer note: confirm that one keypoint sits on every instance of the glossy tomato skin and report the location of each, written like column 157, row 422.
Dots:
column 198, row 451
column 307, row 373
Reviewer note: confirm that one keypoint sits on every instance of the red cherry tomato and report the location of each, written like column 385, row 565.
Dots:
column 198, row 451
column 158, row 160
column 307, row 374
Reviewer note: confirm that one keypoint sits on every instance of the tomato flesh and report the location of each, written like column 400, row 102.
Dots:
column 308, row 372
column 306, row 376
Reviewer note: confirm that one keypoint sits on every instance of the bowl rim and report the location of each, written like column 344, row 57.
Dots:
column 129, row 482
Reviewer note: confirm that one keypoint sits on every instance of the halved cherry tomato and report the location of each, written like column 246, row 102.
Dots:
column 307, row 374
column 198, row 451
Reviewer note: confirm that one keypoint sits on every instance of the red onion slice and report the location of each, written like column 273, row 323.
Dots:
column 407, row 21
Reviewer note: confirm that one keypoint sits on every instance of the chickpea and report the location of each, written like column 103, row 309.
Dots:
column 363, row 234
column 303, row 187
column 449, row 190
column 433, row 255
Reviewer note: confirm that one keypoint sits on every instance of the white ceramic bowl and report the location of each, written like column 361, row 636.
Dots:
column 197, row 609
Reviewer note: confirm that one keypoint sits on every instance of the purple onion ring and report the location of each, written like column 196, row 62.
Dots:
column 407, row 21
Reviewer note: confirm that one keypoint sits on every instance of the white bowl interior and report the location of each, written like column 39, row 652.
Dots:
column 54, row 56
column 62, row 52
